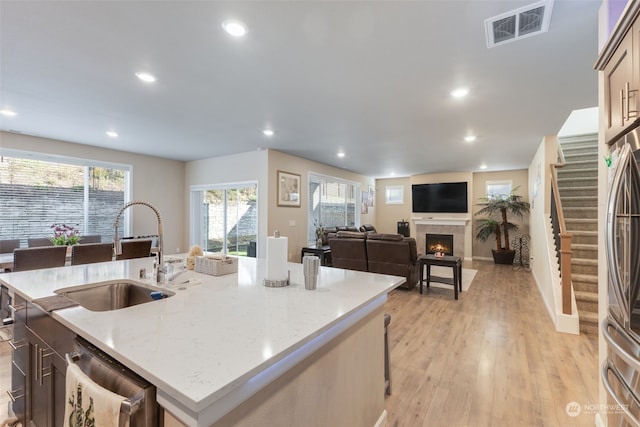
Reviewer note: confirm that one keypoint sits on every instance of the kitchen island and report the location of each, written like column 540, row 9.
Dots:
column 227, row 350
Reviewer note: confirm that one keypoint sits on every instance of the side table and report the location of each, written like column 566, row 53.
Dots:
column 323, row 252
column 446, row 261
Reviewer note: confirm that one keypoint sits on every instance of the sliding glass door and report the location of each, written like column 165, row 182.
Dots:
column 227, row 218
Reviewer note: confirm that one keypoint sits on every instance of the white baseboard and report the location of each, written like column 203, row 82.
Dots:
column 482, row 258
column 382, row 421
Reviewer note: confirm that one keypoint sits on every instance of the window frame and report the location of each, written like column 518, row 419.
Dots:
column 315, row 177
column 86, row 164
column 196, row 225
column 507, row 182
column 387, row 194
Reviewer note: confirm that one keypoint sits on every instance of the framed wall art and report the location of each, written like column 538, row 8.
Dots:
column 288, row 189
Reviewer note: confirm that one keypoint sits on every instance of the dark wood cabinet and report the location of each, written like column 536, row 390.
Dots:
column 38, row 366
column 619, row 62
column 46, row 388
column 17, row 308
column 620, row 89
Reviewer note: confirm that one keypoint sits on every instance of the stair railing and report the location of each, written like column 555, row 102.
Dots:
column 561, row 236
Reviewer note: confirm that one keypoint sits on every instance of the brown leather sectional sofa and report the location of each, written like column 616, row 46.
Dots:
column 391, row 254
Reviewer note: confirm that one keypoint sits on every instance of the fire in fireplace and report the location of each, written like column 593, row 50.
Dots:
column 439, row 243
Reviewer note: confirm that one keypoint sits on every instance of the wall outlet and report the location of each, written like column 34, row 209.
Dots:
column 177, row 250
column 292, row 223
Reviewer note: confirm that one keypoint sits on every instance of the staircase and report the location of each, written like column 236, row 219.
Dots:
column 578, row 186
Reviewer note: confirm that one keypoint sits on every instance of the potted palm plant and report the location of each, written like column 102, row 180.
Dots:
column 494, row 222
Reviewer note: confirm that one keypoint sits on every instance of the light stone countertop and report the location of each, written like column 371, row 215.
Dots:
column 200, row 345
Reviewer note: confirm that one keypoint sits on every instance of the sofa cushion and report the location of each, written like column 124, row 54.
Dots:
column 390, row 254
column 345, row 228
column 328, row 232
column 368, row 228
column 387, row 237
column 351, row 235
column 349, row 250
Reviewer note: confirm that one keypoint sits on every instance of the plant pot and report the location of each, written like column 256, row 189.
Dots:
column 503, row 256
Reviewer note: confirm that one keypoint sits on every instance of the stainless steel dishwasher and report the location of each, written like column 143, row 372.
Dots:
column 140, row 404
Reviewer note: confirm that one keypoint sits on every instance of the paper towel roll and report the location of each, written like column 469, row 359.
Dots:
column 277, row 250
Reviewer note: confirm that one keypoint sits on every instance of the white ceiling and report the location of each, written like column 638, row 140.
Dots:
column 370, row 78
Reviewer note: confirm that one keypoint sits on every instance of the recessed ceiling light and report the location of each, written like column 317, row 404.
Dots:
column 470, row 138
column 111, row 134
column 483, row 166
column 234, row 28
column 146, row 77
column 392, row 174
column 460, row 92
column 340, row 154
column 8, row 113
column 268, row 132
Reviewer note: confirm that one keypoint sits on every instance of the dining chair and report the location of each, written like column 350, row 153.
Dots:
column 40, row 257
column 92, row 238
column 88, row 253
column 8, row 245
column 34, row 242
column 135, row 249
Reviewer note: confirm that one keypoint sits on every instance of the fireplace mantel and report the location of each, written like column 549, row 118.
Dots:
column 441, row 221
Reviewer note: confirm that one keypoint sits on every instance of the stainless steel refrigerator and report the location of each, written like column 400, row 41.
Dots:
column 621, row 329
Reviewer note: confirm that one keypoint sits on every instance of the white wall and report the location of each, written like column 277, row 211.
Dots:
column 544, row 264
column 155, row 180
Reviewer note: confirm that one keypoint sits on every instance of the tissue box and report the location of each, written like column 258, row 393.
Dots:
column 216, row 266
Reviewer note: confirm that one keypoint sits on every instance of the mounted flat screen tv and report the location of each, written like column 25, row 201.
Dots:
column 445, row 197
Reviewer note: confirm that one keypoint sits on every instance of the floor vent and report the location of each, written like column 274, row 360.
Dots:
column 524, row 22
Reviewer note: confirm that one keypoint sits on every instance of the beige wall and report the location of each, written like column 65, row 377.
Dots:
column 166, row 184
column 292, row 222
column 519, row 179
column 155, row 180
column 387, row 216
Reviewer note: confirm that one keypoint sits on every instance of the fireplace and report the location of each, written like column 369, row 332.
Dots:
column 439, row 243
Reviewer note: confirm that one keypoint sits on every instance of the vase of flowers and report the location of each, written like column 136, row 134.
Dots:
column 64, row 235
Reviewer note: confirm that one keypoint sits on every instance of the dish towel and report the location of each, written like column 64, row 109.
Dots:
column 88, row 404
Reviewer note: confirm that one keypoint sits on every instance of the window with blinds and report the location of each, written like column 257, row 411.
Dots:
column 36, row 194
column 332, row 202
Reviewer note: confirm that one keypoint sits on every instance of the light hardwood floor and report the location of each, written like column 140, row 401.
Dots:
column 492, row 358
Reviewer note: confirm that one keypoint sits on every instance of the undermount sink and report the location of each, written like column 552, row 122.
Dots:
column 113, row 295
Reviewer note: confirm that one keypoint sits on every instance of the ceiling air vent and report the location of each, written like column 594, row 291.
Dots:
column 526, row 21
